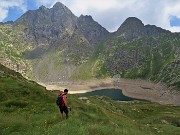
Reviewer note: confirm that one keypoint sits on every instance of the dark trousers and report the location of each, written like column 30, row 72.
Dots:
column 64, row 109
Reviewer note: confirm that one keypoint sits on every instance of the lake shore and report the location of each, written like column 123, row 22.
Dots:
column 139, row 89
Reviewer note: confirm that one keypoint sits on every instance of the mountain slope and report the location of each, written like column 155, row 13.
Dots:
column 12, row 47
column 156, row 59
column 136, row 51
column 27, row 108
column 61, row 41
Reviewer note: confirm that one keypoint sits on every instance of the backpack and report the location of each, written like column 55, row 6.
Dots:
column 59, row 100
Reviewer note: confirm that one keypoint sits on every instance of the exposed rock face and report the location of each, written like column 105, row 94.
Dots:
column 123, row 60
column 91, row 29
column 153, row 31
column 133, row 28
column 48, row 24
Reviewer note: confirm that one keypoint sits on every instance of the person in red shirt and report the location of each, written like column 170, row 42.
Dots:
column 64, row 106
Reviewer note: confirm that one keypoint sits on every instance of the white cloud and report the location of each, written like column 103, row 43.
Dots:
column 6, row 4
column 3, row 14
column 46, row 3
column 174, row 29
column 111, row 13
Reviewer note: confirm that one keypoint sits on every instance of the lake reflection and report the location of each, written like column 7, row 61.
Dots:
column 115, row 94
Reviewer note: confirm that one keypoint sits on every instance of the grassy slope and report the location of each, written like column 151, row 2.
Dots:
column 93, row 68
column 160, row 58
column 12, row 47
column 27, row 108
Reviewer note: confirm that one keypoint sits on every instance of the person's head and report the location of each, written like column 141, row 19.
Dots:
column 66, row 91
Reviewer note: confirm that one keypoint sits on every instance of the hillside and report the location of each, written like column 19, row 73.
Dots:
column 12, row 47
column 156, row 59
column 27, row 108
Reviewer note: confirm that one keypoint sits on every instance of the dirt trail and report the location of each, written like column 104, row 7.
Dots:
column 140, row 89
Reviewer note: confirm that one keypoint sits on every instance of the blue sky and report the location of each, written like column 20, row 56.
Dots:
column 14, row 12
column 110, row 14
column 174, row 21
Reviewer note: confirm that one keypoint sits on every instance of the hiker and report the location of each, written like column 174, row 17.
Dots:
column 63, row 103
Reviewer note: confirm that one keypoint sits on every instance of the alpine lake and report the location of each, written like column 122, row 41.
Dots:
column 114, row 94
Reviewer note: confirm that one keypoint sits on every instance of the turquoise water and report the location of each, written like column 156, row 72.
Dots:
column 115, row 94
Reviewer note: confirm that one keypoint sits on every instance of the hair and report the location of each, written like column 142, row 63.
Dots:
column 66, row 90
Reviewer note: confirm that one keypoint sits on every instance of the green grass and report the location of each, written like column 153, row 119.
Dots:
column 93, row 118
column 27, row 108
column 12, row 47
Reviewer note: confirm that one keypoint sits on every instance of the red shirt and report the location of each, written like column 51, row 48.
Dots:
column 63, row 98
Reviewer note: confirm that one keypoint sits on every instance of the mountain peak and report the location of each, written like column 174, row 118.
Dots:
column 42, row 7
column 45, row 24
column 86, row 17
column 92, row 30
column 132, row 22
column 133, row 28
column 60, row 8
column 59, row 5
column 133, row 19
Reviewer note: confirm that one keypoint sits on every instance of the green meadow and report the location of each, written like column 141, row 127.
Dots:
column 27, row 108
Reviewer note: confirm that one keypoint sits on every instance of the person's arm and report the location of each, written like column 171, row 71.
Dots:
column 65, row 101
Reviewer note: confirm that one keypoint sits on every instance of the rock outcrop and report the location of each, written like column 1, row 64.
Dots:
column 93, row 31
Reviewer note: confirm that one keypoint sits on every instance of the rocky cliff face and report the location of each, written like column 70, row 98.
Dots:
column 154, row 31
column 91, row 29
column 45, row 24
column 133, row 28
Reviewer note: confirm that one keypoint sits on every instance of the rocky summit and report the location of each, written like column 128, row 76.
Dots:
column 134, row 28
column 93, row 31
column 46, row 25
